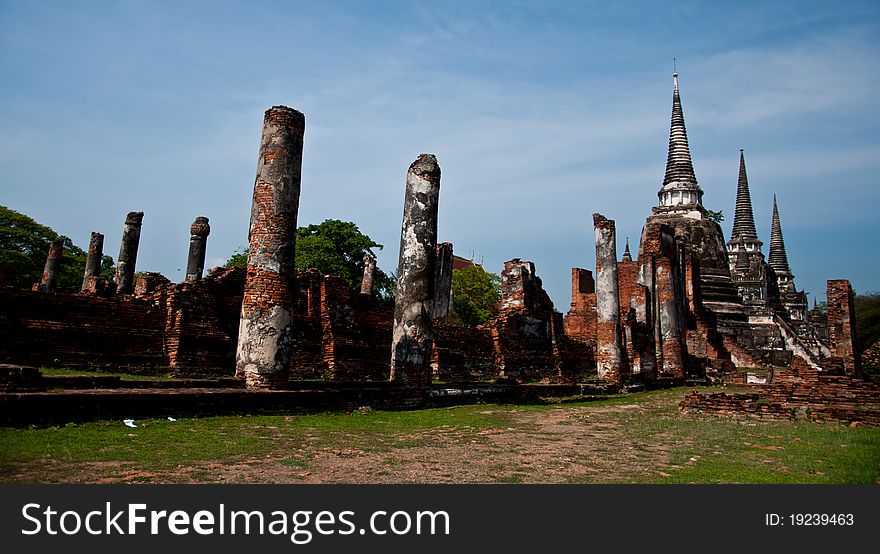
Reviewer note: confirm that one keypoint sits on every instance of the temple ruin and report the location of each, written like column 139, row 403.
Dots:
column 690, row 307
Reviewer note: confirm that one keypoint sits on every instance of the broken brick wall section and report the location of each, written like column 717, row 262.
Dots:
column 463, row 354
column 841, row 325
column 527, row 333
column 799, row 393
column 81, row 331
column 201, row 320
column 192, row 328
column 580, row 321
column 356, row 328
column 636, row 322
column 705, row 350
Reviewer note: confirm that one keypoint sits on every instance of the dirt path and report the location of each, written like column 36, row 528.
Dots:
column 580, row 443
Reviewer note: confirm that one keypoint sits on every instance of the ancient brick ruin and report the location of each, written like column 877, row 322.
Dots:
column 689, row 307
column 93, row 259
column 264, row 334
column 128, row 248
column 52, row 267
column 412, row 332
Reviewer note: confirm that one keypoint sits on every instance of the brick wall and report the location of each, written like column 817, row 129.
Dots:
column 79, row 331
column 841, row 325
column 803, row 394
column 525, row 335
column 463, row 354
column 201, row 321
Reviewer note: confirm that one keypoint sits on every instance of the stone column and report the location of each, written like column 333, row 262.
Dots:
column 198, row 240
column 53, row 265
column 125, row 264
column 412, row 334
column 264, row 333
column 443, row 281
column 93, row 260
column 369, row 274
column 608, row 351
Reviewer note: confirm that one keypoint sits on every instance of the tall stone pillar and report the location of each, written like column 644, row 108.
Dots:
column 412, row 334
column 369, row 274
column 93, row 259
column 198, row 241
column 609, row 359
column 443, row 282
column 53, row 265
column 264, row 333
column 125, row 264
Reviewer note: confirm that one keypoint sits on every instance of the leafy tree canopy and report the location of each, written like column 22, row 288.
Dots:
column 333, row 247
column 24, row 245
column 476, row 295
column 867, row 319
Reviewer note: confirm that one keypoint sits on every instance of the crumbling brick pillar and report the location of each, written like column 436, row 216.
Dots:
column 668, row 317
column 842, row 325
column 198, row 241
column 369, row 274
column 412, row 334
column 125, row 264
column 264, row 332
column 53, row 265
column 443, row 283
column 580, row 321
column 93, row 259
column 609, row 356
column 660, row 272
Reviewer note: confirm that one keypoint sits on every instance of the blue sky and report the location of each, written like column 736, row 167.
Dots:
column 540, row 114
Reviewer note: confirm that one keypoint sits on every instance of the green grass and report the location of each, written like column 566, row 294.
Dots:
column 69, row 372
column 160, row 444
column 774, row 452
column 695, row 448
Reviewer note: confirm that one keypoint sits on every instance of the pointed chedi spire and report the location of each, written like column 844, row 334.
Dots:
column 680, row 185
column 627, row 257
column 744, row 218
column 778, row 259
column 744, row 235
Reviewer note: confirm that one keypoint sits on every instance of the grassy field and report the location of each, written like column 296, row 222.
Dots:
column 55, row 371
column 640, row 438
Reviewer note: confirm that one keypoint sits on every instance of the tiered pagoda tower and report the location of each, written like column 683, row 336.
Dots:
column 794, row 301
column 748, row 269
column 681, row 207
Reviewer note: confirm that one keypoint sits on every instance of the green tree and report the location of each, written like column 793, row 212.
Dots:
column 24, row 244
column 238, row 258
column 333, row 247
column 717, row 217
column 867, row 320
column 476, row 295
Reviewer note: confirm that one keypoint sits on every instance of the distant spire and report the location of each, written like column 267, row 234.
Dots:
column 627, row 257
column 778, row 258
column 744, row 218
column 679, row 167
